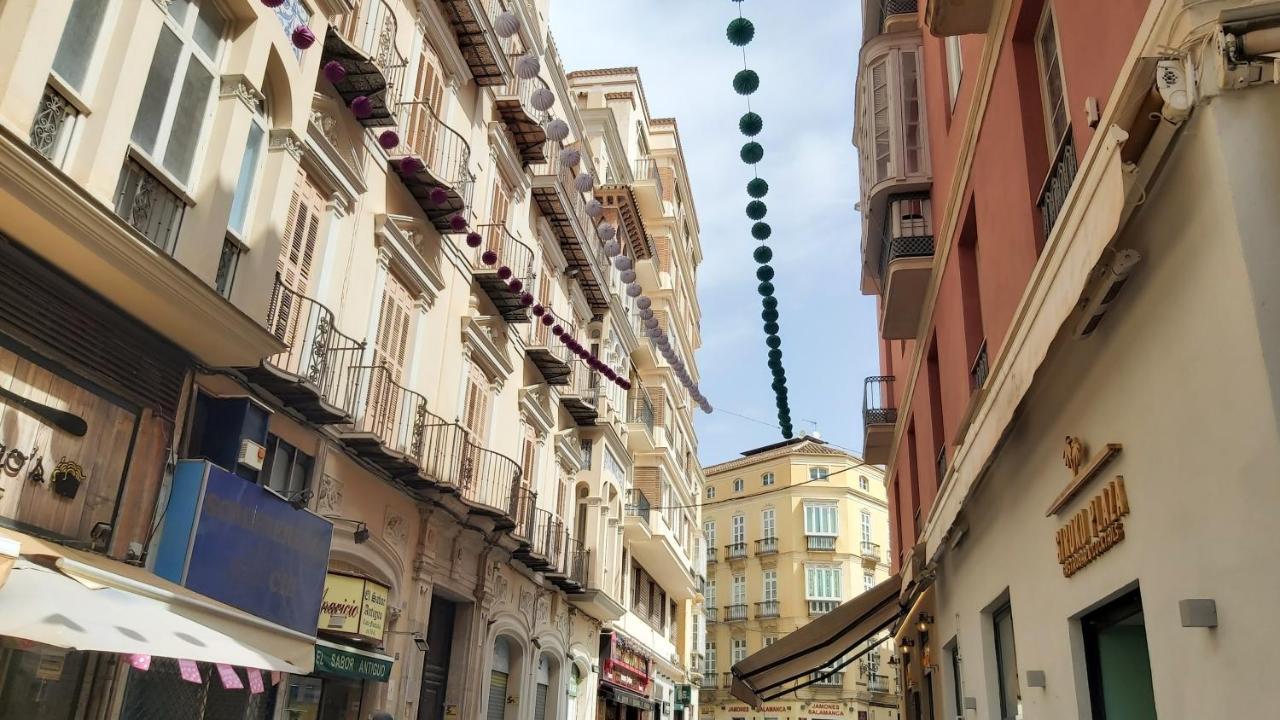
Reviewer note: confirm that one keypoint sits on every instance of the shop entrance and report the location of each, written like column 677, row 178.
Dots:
column 1115, row 643
column 435, row 666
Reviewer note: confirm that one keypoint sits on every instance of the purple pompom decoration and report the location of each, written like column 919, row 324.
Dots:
column 504, row 273
column 515, row 285
column 389, row 139
column 438, row 196
column 538, row 311
column 458, row 223
column 273, row 4
column 548, row 320
column 303, row 38
column 334, row 72
column 557, row 330
column 474, row 240
column 489, row 257
column 410, row 166
column 526, row 299
column 361, row 106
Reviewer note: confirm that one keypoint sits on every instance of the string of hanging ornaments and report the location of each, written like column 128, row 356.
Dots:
column 527, row 67
column 746, row 82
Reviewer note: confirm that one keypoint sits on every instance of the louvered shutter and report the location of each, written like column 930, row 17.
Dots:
column 497, row 708
column 297, row 252
column 428, row 94
column 540, row 703
column 390, row 350
column 880, row 129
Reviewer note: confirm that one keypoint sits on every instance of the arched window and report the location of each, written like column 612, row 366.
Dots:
column 575, row 685
column 250, row 164
column 500, row 672
column 543, row 689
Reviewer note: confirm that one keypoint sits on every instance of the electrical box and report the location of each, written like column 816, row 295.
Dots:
column 252, row 454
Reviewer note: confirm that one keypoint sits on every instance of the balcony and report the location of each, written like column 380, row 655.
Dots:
column 581, row 398
column 640, row 419
column 980, row 369
column 735, row 613
column 767, row 546
column 821, row 543
column 548, row 353
column 548, row 545
column 711, row 555
column 364, row 43
column 647, row 187
column 870, row 555
column 735, row 551
column 879, row 417
column 622, row 208
column 654, row 545
column 878, row 683
column 561, row 203
column 727, row 679
column 828, row 680
column 957, row 17
column 513, row 255
column 387, row 419
column 767, row 610
column 572, row 575
column 711, row 614
column 888, row 16
column 638, row 505
column 443, row 183
column 905, row 265
column 514, row 104
column 710, row 679
column 486, row 53
column 822, row 607
column 1062, row 175
column 148, row 205
column 309, row 376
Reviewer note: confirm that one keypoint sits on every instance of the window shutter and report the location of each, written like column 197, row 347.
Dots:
column 497, row 707
column 880, row 129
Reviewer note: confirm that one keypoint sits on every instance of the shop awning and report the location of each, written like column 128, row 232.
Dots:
column 625, row 697
column 66, row 598
column 823, row 646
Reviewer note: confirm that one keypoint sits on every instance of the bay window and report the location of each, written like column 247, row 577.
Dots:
column 821, row 519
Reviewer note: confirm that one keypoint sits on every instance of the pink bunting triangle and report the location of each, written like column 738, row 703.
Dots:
column 275, row 678
column 139, row 661
column 190, row 671
column 255, row 680
column 230, row 680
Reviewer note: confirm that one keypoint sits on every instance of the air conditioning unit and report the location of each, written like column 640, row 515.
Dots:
column 252, row 455
column 1102, row 291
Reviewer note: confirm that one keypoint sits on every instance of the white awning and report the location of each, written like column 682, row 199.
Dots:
column 822, row 647
column 70, row 599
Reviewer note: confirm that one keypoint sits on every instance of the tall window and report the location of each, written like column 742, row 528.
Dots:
column 766, row 479
column 475, row 411
column 1007, row 664
column 770, row 582
column 739, row 588
column 739, row 650
column 868, row 581
column 818, row 473
column 709, row 592
column 710, row 661
column 768, row 523
column 863, row 483
column 822, row 582
column 249, row 166
column 955, row 68
column 881, row 127
column 738, row 529
column 737, row 485
column 711, row 492
column 709, row 531
column 179, row 88
column 79, row 36
column 866, row 526
column 1052, row 91
column 957, row 679
column 912, row 138
column 821, row 519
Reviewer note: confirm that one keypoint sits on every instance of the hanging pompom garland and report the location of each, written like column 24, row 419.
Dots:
column 557, row 130
column 334, row 72
column 542, row 99
column 528, row 66
column 410, row 165
column 594, row 209
column 302, row 37
column 746, row 82
column 474, row 239
column 273, row 4
column 584, row 182
column 569, row 157
column 361, row 106
column 506, row 24
column 605, row 230
column 389, row 139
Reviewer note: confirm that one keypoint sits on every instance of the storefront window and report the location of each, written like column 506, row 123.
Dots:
column 40, row 684
column 1115, row 642
column 1007, row 665
column 161, row 692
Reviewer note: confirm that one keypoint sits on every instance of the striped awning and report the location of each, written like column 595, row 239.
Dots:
column 820, row 648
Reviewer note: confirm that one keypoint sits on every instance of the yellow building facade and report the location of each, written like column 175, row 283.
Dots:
column 792, row 530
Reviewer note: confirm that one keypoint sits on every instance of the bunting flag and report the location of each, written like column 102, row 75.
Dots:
column 190, row 671
column 255, row 681
column 746, row 82
column 230, row 680
column 139, row 661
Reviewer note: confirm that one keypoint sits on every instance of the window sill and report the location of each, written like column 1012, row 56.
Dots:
column 69, row 93
column 169, row 181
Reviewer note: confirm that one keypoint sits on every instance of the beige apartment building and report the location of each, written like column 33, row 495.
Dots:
column 793, row 530
column 317, row 263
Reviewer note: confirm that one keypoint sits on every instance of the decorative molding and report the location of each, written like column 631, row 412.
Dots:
column 288, row 141
column 241, row 88
column 507, row 160
column 336, row 7
column 536, row 411
column 569, row 451
column 479, row 338
column 399, row 237
column 329, row 501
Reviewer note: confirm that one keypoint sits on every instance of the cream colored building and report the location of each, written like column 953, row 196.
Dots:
column 793, row 530
column 234, row 194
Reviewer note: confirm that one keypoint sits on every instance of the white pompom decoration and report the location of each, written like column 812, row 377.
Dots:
column 646, row 314
column 584, row 182
column 506, row 24
column 628, row 276
column 569, row 157
column 594, row 208
column 557, row 130
column 542, row 99
column 651, row 322
column 622, row 262
column 644, row 303
column 528, row 66
column 612, row 249
column 606, row 231
column 634, row 290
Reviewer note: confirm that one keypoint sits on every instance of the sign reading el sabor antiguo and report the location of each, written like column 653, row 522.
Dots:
column 1095, row 529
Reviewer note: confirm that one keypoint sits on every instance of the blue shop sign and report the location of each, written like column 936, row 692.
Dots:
column 241, row 544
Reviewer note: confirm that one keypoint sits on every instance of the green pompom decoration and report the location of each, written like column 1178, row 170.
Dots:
column 787, row 435
column 758, row 188
column 773, row 341
column 756, row 210
column 751, row 124
column 770, row 302
column 746, row 82
column 771, row 328
column 761, row 231
column 762, row 254
column 740, row 31
column 764, row 273
column 769, row 316
column 765, row 289
column 752, row 153
column 775, row 364
column 775, row 353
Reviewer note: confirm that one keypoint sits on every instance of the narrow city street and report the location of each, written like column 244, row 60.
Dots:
column 639, row 359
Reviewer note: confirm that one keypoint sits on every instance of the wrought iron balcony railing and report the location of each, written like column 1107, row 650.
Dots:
column 878, row 683
column 511, row 251
column 50, row 130
column 767, row 609
column 901, row 247
column 147, row 204
column 712, row 614
column 709, row 679
column 980, row 369
column 443, row 151
column 898, row 7
column 870, row 550
column 640, row 408
column 878, row 402
column 711, row 554
column 735, row 612
column 767, row 546
column 820, row 542
column 316, row 351
column 735, row 551
column 488, row 481
column 828, row 679
column 822, row 607
column 1062, row 175
column 368, row 37
column 379, row 405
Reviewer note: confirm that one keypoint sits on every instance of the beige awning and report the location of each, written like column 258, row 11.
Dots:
column 62, row 597
column 823, row 646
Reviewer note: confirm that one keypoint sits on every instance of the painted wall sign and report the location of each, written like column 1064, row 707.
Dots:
column 1094, row 530
column 349, row 664
column 239, row 543
column 353, row 606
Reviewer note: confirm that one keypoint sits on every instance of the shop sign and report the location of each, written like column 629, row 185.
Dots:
column 237, row 542
column 353, row 606
column 684, row 696
column 623, row 664
column 826, row 710
column 1094, row 530
column 768, row 710
column 357, row 666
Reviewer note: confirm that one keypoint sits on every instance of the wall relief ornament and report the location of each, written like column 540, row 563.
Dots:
column 330, row 501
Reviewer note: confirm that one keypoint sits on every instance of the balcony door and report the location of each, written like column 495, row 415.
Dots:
column 435, row 665
column 428, row 101
column 294, row 263
column 390, row 352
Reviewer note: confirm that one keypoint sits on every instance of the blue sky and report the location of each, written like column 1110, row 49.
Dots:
column 807, row 62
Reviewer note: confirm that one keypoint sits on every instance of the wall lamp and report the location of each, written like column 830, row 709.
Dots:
column 361, row 533
column 925, row 621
